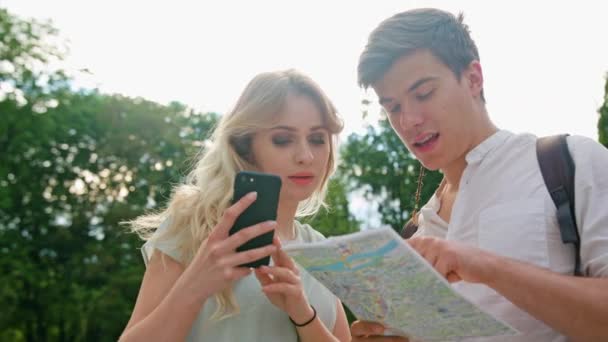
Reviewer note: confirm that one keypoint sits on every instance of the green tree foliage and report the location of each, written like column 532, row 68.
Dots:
column 74, row 164
column 72, row 270
column 378, row 164
column 336, row 218
column 602, row 124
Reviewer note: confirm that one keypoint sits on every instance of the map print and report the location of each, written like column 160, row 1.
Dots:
column 381, row 278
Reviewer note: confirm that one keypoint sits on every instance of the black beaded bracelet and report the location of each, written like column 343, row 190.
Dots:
column 314, row 315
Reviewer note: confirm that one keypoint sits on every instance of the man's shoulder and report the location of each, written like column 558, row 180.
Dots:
column 578, row 144
column 584, row 149
column 510, row 141
column 521, row 138
column 511, row 147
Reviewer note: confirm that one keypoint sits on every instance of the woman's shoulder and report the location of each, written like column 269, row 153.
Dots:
column 165, row 240
column 306, row 233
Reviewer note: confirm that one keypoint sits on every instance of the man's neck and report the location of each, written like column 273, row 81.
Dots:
column 453, row 171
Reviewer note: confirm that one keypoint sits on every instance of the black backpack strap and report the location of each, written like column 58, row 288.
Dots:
column 557, row 168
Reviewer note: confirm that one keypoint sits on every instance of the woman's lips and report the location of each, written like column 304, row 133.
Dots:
column 302, row 178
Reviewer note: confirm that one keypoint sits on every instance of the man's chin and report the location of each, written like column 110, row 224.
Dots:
column 430, row 164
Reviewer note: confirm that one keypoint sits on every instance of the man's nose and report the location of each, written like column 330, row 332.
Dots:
column 410, row 118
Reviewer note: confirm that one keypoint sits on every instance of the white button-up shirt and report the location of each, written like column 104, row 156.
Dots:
column 503, row 206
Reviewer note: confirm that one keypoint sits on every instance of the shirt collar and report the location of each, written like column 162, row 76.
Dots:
column 477, row 154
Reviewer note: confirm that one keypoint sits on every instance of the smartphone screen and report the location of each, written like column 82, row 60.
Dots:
column 264, row 208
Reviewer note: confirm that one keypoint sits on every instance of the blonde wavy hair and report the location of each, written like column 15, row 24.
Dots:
column 197, row 205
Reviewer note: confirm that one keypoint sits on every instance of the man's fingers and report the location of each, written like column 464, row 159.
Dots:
column 453, row 277
column 414, row 242
column 232, row 213
column 365, row 331
column 380, row 339
column 421, row 243
column 366, row 328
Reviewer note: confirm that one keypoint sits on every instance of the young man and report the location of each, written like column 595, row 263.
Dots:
column 491, row 227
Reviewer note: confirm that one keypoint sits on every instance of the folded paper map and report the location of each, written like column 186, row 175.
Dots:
column 381, row 278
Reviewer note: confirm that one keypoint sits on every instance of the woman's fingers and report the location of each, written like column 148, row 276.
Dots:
column 231, row 214
column 280, row 274
column 248, row 256
column 237, row 273
column 282, row 288
column 246, row 234
column 277, row 241
column 219, row 249
column 281, row 258
column 264, row 279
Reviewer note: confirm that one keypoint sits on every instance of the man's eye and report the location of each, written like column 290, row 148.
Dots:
column 424, row 96
column 395, row 109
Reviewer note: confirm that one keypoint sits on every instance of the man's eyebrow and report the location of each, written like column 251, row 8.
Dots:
column 420, row 82
column 413, row 87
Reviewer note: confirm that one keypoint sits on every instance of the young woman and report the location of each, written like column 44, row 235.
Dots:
column 193, row 289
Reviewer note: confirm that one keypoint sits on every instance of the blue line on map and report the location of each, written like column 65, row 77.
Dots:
column 373, row 255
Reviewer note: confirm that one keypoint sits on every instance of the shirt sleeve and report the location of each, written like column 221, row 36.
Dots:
column 591, row 199
column 313, row 235
column 163, row 242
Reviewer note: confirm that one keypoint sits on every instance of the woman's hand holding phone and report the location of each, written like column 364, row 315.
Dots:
column 216, row 264
column 282, row 285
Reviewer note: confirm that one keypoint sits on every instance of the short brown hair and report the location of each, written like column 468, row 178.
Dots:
column 443, row 34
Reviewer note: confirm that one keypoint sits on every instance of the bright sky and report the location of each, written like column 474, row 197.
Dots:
column 544, row 61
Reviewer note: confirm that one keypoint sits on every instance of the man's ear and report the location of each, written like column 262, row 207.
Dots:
column 474, row 78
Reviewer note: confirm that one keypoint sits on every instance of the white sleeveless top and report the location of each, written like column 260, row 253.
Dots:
column 258, row 319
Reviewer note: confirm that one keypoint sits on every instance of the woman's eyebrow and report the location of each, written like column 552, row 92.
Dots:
column 293, row 129
column 288, row 128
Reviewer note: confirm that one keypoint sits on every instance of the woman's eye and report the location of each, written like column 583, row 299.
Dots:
column 281, row 141
column 317, row 139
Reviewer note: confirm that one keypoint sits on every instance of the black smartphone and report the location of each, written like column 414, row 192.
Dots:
column 264, row 208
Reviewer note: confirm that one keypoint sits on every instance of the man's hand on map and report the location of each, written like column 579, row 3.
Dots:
column 363, row 331
column 454, row 260
column 281, row 284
